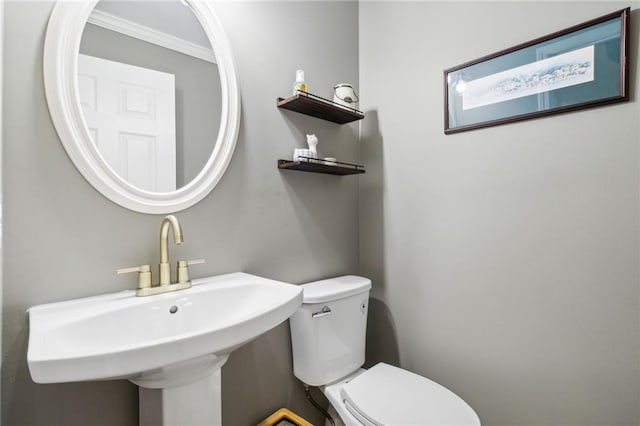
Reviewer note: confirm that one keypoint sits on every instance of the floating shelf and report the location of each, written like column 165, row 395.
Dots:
column 315, row 106
column 318, row 166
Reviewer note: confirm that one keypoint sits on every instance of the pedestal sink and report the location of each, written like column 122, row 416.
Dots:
column 172, row 345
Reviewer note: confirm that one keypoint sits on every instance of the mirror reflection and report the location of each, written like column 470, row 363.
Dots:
column 150, row 91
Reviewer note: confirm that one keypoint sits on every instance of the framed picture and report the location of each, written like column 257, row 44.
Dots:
column 579, row 67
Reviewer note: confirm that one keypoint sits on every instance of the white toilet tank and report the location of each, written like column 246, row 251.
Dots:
column 328, row 331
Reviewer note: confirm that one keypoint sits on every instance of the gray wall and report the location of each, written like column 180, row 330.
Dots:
column 198, row 92
column 504, row 260
column 64, row 240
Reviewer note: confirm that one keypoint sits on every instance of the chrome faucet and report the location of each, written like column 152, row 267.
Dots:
column 145, row 288
column 165, row 267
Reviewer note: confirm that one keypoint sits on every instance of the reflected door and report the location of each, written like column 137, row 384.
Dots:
column 130, row 112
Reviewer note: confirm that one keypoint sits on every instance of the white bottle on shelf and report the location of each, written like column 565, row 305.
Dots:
column 312, row 141
column 299, row 85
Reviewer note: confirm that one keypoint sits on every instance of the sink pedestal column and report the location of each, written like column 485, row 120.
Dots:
column 198, row 403
column 178, row 400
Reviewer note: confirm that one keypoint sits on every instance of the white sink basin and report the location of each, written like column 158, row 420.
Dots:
column 120, row 335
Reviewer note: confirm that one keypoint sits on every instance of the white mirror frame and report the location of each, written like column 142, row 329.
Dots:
column 61, row 48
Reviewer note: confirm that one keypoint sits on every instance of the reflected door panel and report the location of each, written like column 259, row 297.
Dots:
column 130, row 113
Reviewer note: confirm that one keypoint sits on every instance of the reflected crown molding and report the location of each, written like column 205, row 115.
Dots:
column 150, row 35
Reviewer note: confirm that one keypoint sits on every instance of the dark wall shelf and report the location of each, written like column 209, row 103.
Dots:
column 340, row 169
column 315, row 106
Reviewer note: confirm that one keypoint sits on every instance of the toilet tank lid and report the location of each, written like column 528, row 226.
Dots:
column 334, row 288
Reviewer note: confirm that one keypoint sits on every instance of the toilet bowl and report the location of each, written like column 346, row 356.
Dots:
column 385, row 395
column 328, row 340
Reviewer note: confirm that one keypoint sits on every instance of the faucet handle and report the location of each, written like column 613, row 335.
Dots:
column 183, row 269
column 144, row 274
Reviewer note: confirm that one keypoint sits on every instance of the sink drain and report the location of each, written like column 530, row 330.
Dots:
column 173, row 309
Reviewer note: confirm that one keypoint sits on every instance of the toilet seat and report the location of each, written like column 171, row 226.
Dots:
column 416, row 400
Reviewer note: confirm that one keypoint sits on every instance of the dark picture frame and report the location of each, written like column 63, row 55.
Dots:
column 583, row 66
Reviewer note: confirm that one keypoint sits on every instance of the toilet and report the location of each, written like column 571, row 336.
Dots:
column 328, row 339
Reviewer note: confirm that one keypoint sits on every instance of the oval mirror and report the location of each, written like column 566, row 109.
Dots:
column 144, row 97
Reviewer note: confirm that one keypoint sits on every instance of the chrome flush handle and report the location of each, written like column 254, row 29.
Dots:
column 322, row 313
